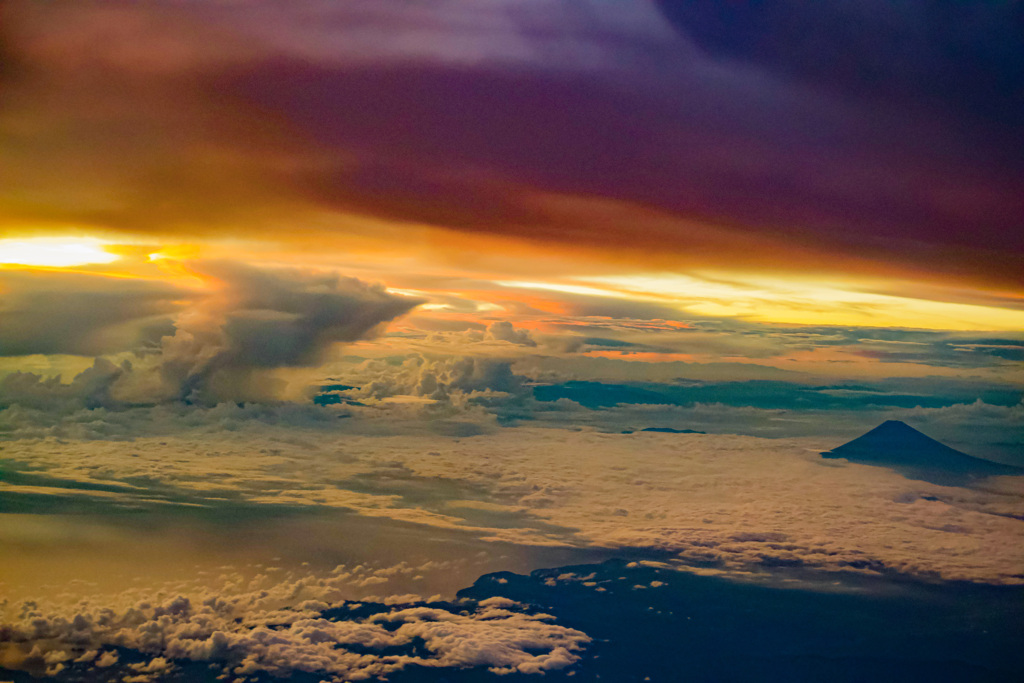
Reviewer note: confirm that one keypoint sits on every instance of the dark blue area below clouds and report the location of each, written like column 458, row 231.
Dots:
column 768, row 395
column 331, row 394
column 697, row 628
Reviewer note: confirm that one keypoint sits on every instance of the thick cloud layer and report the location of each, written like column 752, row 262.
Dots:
column 733, row 502
column 834, row 131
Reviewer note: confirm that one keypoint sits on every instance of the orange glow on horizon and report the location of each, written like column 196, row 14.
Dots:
column 509, row 291
column 55, row 252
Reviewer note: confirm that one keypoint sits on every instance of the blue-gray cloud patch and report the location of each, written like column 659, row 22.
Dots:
column 769, row 395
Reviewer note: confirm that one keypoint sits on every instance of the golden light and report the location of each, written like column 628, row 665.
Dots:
column 55, row 252
column 184, row 252
column 804, row 302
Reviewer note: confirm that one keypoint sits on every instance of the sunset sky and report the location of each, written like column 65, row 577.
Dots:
column 224, row 225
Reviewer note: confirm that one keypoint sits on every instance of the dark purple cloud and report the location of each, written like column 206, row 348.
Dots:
column 856, row 150
column 830, row 141
column 467, row 148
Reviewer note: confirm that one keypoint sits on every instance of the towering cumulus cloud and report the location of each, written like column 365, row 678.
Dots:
column 260, row 320
column 246, row 321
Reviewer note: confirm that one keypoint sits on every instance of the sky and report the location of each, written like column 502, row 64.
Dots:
column 427, row 271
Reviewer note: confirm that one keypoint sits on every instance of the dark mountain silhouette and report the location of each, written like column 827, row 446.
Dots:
column 902, row 448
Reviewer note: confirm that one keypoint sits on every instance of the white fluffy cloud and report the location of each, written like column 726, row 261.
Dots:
column 506, row 331
column 448, row 379
column 282, row 625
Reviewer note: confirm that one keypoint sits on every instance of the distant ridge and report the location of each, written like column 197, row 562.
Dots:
column 900, row 447
column 670, row 430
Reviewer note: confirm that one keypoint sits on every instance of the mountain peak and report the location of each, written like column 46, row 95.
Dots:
column 898, row 446
column 892, row 432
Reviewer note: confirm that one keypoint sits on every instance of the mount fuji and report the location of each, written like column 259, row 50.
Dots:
column 902, row 448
